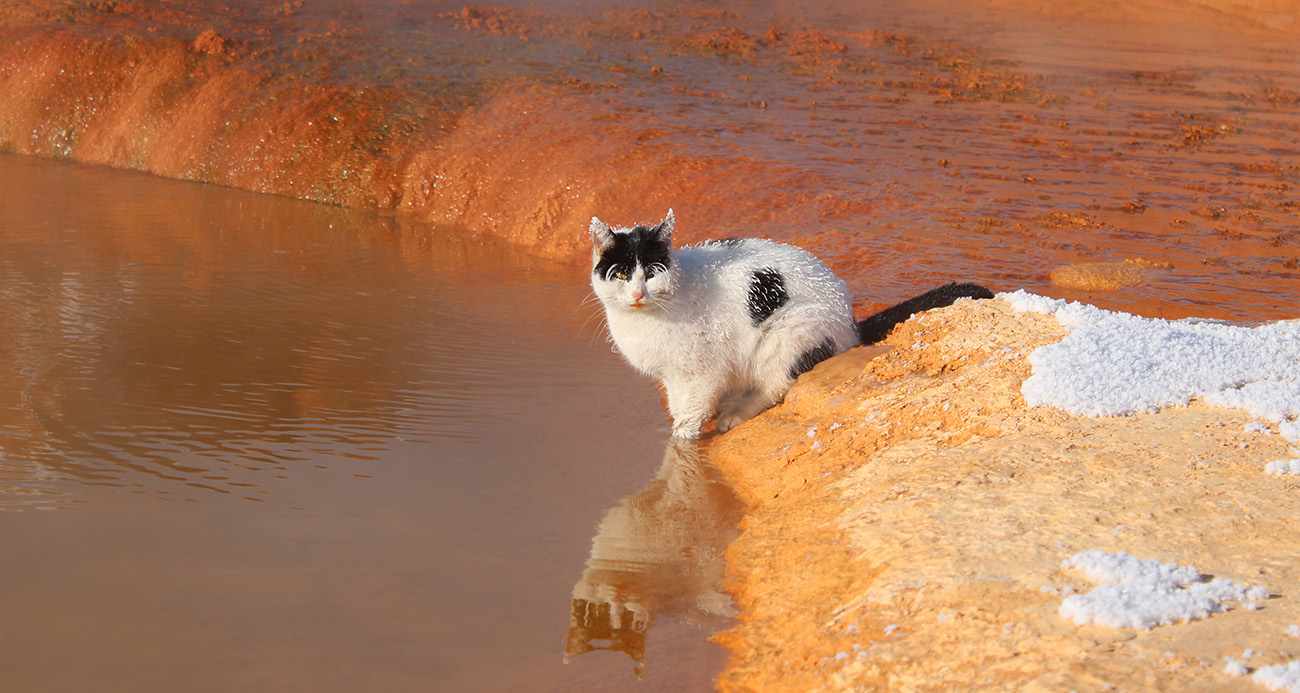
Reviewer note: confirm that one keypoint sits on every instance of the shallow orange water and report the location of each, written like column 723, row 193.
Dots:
column 284, row 446
column 907, row 145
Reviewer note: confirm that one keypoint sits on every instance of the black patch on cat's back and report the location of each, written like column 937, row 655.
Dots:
column 766, row 294
column 812, row 357
column 878, row 326
column 638, row 246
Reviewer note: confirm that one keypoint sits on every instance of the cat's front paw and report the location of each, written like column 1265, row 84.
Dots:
column 726, row 421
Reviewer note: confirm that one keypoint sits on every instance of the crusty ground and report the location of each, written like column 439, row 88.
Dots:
column 910, row 515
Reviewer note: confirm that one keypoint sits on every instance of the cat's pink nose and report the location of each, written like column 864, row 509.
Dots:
column 638, row 295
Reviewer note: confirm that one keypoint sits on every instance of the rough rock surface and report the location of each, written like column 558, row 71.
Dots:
column 910, row 516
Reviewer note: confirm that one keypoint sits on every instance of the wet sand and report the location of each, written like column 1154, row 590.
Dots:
column 284, row 446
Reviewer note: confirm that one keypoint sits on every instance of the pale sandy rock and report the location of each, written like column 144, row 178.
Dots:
column 1107, row 276
column 910, row 516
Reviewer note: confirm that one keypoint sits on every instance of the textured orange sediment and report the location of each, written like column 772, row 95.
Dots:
column 908, row 516
column 181, row 109
column 528, row 161
column 536, row 146
column 998, row 146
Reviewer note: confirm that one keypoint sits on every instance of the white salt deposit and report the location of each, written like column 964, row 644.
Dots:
column 1235, row 668
column 1143, row 594
column 1114, row 364
column 1279, row 677
column 1280, row 467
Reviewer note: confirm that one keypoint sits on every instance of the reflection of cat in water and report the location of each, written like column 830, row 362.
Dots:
column 657, row 553
column 728, row 326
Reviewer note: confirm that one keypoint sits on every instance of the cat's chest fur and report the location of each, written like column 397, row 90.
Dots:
column 704, row 325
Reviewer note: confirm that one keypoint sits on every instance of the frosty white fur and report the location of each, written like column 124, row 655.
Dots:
column 691, row 328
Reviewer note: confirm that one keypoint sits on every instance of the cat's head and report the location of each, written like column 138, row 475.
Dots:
column 633, row 268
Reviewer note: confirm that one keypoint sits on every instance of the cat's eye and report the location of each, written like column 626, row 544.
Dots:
column 621, row 276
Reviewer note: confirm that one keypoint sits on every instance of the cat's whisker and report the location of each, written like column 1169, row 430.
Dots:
column 591, row 302
column 594, row 333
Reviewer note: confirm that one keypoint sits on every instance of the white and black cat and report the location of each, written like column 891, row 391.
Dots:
column 729, row 325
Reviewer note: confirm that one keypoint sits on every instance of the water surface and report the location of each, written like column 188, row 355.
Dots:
column 292, row 447
column 906, row 144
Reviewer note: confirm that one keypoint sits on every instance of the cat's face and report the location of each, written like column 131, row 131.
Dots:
column 633, row 269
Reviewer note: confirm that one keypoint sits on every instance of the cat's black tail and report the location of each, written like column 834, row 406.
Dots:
column 876, row 327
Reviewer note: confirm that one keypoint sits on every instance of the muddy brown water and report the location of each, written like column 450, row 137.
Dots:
column 252, row 443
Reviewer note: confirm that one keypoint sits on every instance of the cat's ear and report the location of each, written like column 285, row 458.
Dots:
column 664, row 231
column 602, row 238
